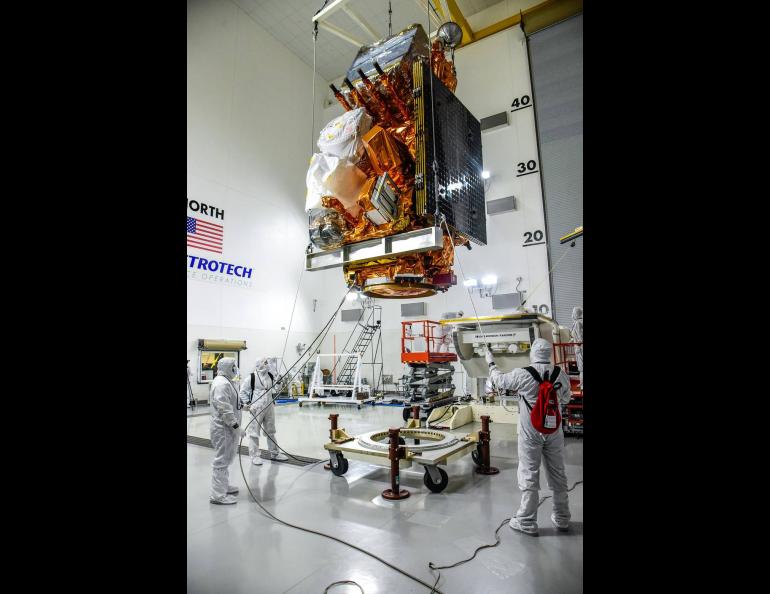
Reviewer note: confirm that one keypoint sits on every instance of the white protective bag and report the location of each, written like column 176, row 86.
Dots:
column 333, row 176
column 342, row 136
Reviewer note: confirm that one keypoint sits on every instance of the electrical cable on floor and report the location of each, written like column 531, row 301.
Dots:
column 342, row 583
column 330, row 537
column 309, row 530
column 437, row 568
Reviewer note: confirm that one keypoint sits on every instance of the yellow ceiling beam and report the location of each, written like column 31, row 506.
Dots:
column 459, row 18
column 535, row 18
column 440, row 9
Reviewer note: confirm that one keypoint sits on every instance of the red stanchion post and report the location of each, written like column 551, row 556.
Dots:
column 484, row 435
column 416, row 415
column 395, row 453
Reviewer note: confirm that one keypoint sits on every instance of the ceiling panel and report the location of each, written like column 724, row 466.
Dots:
column 469, row 7
column 289, row 21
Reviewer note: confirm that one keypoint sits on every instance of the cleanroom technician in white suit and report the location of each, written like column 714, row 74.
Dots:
column 577, row 336
column 225, row 432
column 533, row 445
column 259, row 398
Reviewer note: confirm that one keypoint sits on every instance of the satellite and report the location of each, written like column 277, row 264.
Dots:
column 397, row 185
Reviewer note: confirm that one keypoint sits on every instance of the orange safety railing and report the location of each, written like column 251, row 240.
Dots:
column 564, row 356
column 423, row 342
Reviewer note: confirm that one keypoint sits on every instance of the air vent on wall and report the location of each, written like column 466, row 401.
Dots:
column 501, row 205
column 413, row 309
column 506, row 301
column 494, row 122
column 350, row 315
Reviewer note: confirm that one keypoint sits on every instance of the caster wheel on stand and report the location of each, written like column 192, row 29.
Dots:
column 436, row 487
column 476, row 456
column 338, row 464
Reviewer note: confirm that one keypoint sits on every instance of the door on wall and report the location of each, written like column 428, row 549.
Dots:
column 556, row 57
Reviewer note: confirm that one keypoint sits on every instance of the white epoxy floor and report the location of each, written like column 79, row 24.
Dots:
column 233, row 549
column 303, row 431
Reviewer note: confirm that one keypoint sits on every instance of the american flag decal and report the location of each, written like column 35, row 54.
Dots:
column 204, row 235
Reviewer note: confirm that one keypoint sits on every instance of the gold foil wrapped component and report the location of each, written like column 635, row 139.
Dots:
column 386, row 157
column 332, row 203
column 443, row 260
column 364, row 229
column 406, row 135
column 366, row 166
column 443, row 68
column 377, row 100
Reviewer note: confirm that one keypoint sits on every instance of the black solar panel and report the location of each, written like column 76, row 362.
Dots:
column 459, row 188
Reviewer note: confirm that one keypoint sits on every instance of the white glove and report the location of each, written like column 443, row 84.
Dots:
column 489, row 356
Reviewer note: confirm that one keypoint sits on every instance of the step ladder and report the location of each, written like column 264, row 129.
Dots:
column 362, row 343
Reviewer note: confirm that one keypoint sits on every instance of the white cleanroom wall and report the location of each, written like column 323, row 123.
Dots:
column 249, row 119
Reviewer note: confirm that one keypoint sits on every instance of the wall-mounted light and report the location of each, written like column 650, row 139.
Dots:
column 485, row 174
column 488, row 285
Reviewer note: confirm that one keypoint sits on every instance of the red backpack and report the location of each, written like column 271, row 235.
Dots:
column 546, row 414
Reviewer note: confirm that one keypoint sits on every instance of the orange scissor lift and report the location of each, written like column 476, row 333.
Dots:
column 425, row 349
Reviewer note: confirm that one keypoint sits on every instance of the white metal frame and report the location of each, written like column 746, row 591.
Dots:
column 371, row 32
column 318, row 387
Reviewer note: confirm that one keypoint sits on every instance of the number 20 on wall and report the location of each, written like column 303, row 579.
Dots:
column 532, row 236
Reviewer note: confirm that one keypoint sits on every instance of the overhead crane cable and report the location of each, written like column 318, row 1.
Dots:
column 293, row 307
column 434, row 164
column 470, row 294
column 324, row 332
column 310, row 347
column 547, row 276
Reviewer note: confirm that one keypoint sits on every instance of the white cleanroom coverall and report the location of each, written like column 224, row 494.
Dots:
column 577, row 336
column 262, row 407
column 533, row 445
column 225, row 432
column 189, row 385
